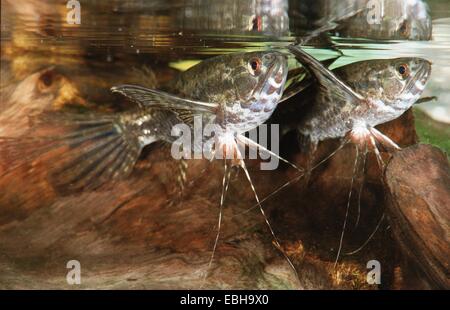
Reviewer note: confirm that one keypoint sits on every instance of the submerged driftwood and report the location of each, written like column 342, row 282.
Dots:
column 418, row 182
column 142, row 233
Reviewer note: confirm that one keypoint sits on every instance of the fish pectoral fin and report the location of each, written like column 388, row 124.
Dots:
column 327, row 80
column 155, row 98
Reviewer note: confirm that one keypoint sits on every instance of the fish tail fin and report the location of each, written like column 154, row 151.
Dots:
column 105, row 150
column 85, row 152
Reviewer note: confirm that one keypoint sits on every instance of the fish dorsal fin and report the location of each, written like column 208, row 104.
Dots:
column 155, row 98
column 326, row 79
column 299, row 79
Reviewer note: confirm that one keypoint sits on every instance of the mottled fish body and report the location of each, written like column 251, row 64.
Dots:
column 374, row 92
column 246, row 87
column 354, row 99
column 234, row 93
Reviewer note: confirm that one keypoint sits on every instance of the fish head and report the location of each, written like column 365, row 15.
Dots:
column 259, row 80
column 397, row 83
column 403, row 80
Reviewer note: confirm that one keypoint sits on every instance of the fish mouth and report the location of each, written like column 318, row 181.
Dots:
column 416, row 85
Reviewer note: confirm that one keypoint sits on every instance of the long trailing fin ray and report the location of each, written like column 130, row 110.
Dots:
column 156, row 98
column 182, row 168
column 377, row 152
column 297, row 178
column 344, row 225
column 275, row 239
column 292, row 181
column 369, row 238
column 384, row 140
column 188, row 184
column 344, row 143
column 253, row 144
column 225, row 183
column 361, row 185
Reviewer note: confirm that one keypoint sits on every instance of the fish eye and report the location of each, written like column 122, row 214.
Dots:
column 403, row 70
column 254, row 66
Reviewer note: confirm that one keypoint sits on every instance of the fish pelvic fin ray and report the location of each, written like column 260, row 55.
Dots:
column 225, row 184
